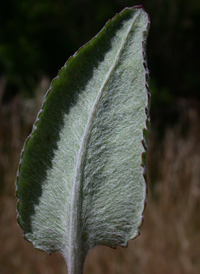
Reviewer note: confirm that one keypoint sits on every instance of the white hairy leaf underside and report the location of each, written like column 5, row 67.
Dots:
column 94, row 191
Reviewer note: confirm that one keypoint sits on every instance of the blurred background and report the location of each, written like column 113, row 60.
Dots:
column 36, row 38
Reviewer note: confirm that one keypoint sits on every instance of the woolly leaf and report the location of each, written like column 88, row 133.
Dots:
column 80, row 179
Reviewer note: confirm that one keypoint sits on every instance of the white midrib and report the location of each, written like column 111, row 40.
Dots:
column 72, row 260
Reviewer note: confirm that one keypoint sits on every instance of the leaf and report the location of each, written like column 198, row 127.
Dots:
column 80, row 180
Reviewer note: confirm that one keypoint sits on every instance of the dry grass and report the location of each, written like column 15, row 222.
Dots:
column 170, row 238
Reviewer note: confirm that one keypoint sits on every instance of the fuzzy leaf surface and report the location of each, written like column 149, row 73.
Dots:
column 80, row 180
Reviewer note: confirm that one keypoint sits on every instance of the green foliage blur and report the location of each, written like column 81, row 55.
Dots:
column 38, row 36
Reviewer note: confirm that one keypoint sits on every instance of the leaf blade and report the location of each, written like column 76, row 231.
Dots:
column 77, row 133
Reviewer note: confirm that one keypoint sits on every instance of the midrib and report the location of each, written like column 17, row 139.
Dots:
column 81, row 157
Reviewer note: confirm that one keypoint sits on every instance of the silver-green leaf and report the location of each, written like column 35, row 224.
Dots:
column 80, row 180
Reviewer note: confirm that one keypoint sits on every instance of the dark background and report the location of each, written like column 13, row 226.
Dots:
column 36, row 39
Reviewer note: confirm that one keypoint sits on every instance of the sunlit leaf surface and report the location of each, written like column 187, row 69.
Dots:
column 80, row 181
